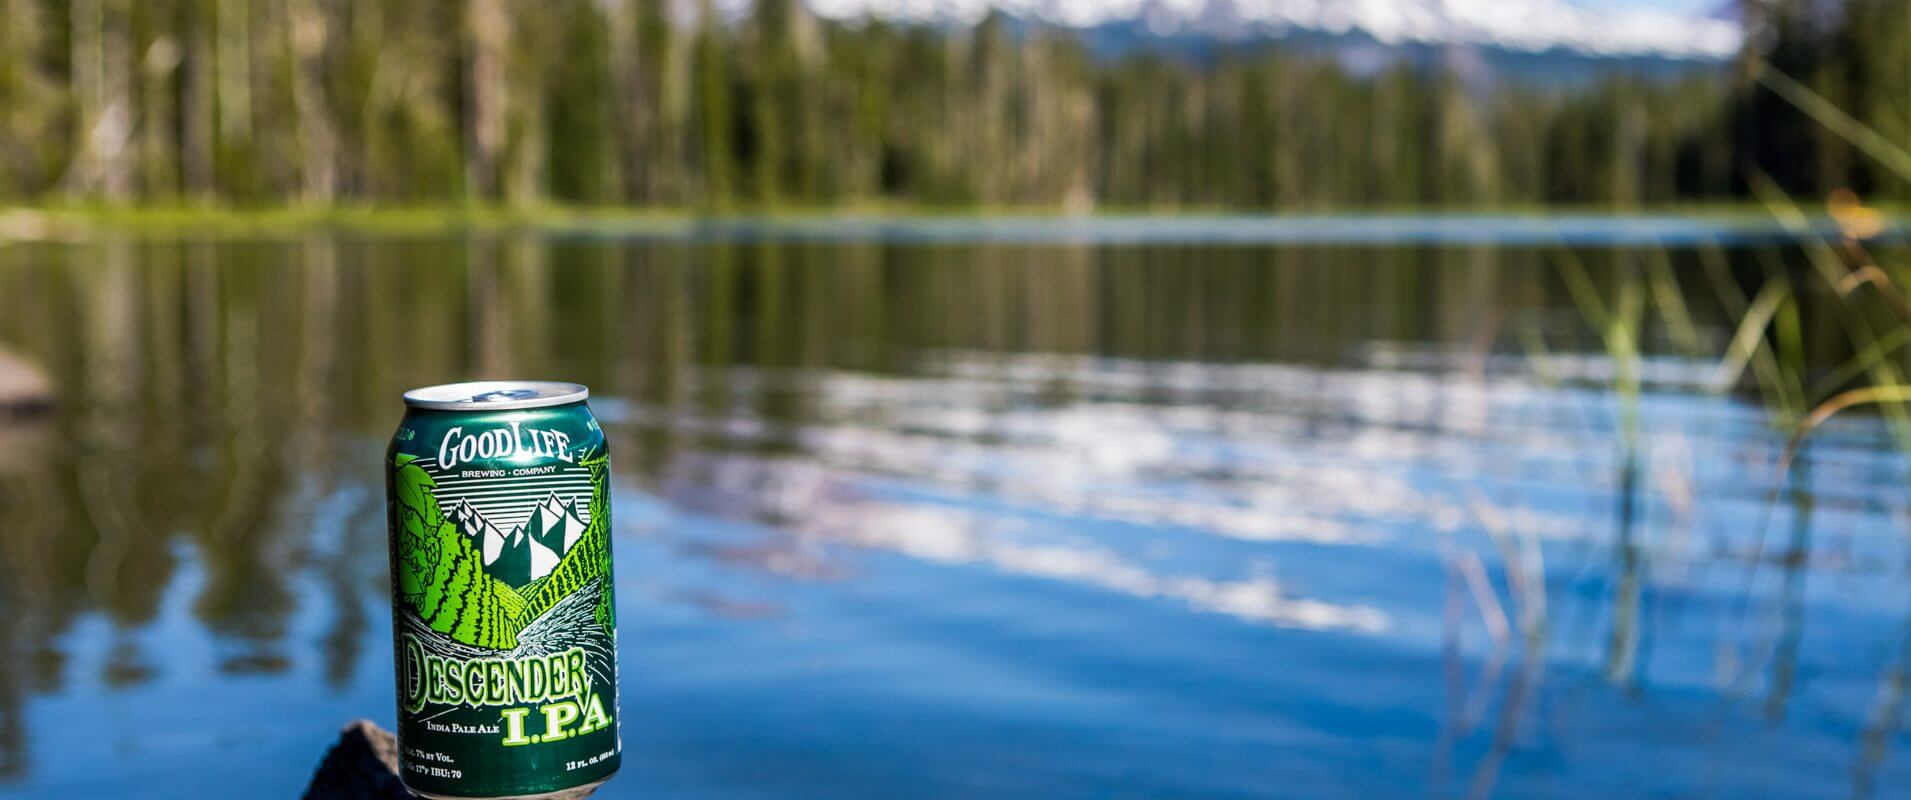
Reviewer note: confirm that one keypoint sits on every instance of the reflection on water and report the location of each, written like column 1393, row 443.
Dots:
column 996, row 518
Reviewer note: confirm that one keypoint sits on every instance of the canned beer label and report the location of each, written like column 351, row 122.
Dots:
column 503, row 620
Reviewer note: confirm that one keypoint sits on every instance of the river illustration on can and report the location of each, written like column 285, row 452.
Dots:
column 503, row 616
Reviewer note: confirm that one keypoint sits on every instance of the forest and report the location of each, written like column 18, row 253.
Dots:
column 629, row 103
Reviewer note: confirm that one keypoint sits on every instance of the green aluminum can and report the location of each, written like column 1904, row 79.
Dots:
column 503, row 622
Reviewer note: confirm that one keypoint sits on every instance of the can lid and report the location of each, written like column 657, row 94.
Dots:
column 496, row 395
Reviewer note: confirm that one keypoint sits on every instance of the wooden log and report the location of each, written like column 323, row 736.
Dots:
column 363, row 763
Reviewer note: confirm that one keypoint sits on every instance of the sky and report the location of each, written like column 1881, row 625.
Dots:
column 1681, row 6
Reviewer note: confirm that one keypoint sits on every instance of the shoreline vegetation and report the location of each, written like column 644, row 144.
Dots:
column 764, row 104
column 62, row 222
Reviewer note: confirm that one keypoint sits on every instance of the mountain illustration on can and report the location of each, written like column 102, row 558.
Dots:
column 503, row 613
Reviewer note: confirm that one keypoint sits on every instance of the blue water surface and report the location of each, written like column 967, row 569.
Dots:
column 929, row 519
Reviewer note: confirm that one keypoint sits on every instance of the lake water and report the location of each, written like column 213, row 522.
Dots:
column 935, row 512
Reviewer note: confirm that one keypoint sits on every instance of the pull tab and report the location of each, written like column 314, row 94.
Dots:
column 503, row 395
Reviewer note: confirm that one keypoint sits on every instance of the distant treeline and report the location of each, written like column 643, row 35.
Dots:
column 617, row 102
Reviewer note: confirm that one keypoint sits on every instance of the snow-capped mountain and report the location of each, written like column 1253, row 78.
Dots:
column 553, row 528
column 491, row 541
column 531, row 550
column 1531, row 26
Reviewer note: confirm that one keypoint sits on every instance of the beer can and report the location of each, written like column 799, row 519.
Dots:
column 503, row 620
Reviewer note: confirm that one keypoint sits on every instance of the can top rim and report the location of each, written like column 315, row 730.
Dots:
column 496, row 395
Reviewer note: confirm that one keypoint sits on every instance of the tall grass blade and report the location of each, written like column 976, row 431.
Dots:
column 1833, row 118
column 1750, row 336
